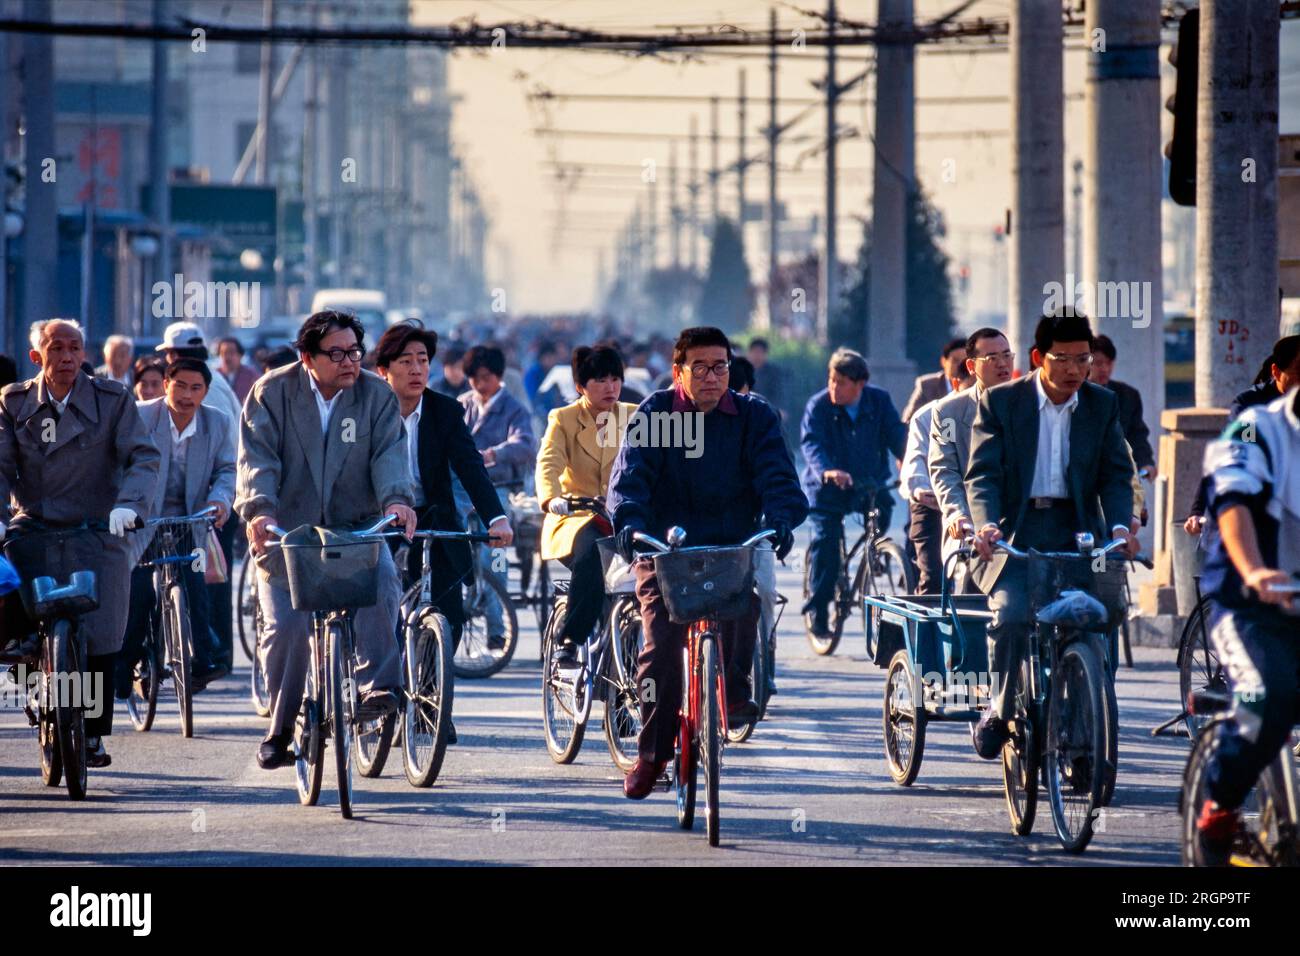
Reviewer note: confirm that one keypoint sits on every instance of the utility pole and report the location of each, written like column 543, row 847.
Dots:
column 828, row 292
column 740, row 159
column 893, row 183
column 1037, row 167
column 773, row 234
column 1237, row 301
column 674, row 212
column 1076, row 221
column 310, row 223
column 713, row 167
column 694, row 188
column 264, row 95
column 1122, row 191
column 41, row 227
column 159, row 176
column 337, row 93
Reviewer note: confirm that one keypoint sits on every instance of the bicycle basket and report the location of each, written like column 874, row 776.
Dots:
column 330, row 569
column 186, row 536
column 709, row 582
column 1049, row 576
column 526, row 519
column 617, row 573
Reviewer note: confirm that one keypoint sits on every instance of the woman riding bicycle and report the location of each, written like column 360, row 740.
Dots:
column 1254, row 495
column 581, row 442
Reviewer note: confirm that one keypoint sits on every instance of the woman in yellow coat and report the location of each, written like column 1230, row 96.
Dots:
column 581, row 442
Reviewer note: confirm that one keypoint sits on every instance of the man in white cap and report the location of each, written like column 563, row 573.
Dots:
column 185, row 340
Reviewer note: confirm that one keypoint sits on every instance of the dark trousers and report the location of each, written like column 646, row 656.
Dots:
column 144, row 616
column 220, row 598
column 1258, row 648
column 925, row 531
column 449, row 567
column 100, row 669
column 586, row 585
column 659, row 668
column 824, row 557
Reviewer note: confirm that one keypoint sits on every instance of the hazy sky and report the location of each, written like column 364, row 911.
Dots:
column 545, row 268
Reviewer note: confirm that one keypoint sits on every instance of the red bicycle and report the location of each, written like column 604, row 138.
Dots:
column 702, row 586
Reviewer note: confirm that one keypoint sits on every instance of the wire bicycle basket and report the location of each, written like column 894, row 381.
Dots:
column 706, row 582
column 331, row 569
column 174, row 541
column 1050, row 574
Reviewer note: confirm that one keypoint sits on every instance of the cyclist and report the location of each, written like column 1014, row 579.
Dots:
column 72, row 450
column 321, row 443
column 578, row 450
column 849, row 431
column 718, row 488
column 1254, row 471
column 197, row 470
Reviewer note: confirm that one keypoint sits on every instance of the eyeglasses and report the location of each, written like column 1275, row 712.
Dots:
column 994, row 357
column 717, row 369
column 1078, row 361
column 338, row 355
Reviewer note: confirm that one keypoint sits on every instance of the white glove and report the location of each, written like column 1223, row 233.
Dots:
column 558, row 506
column 119, row 520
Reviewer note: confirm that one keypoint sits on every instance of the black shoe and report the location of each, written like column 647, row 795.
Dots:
column 275, row 751
column 567, row 655
column 820, row 625
column 205, row 674
column 496, row 642
column 988, row 735
column 377, row 704
column 451, row 733
column 96, row 755
column 744, row 712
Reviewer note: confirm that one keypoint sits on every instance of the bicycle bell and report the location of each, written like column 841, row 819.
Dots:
column 676, row 536
column 1083, row 540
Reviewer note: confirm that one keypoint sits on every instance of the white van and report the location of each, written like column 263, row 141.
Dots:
column 368, row 305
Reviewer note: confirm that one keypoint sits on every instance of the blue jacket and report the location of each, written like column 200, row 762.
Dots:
column 832, row 440
column 742, row 480
column 507, row 429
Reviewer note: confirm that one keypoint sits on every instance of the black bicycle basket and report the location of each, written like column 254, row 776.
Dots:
column 1049, row 575
column 330, row 569
column 708, row 582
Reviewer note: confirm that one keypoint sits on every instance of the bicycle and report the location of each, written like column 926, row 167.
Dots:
column 1270, row 837
column 1065, row 724
column 873, row 565
column 1199, row 667
column 474, row 658
column 763, row 671
column 536, row 589
column 330, row 577
column 606, row 665
column 174, row 543
column 702, row 586
column 250, row 635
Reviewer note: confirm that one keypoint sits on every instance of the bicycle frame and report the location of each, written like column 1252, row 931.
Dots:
column 692, row 688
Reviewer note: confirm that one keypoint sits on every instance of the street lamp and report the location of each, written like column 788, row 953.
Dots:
column 251, row 260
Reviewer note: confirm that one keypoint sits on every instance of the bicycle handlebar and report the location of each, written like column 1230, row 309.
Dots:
column 653, row 542
column 372, row 531
column 207, row 512
column 1114, row 545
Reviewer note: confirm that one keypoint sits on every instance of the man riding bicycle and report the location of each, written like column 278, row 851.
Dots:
column 1254, row 492
column 734, row 477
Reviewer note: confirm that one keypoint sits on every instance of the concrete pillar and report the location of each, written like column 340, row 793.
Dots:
column 41, row 228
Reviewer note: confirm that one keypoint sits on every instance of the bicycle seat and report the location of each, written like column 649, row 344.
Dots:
column 47, row 598
column 1074, row 609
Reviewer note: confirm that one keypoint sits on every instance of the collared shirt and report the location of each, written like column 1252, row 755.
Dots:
column 684, row 403
column 174, row 480
column 61, row 406
column 914, row 476
column 412, row 423
column 1053, row 444
column 323, row 406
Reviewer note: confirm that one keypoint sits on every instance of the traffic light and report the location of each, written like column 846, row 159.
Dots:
column 1181, row 149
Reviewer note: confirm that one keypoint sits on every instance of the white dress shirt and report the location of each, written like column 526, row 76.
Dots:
column 323, row 406
column 914, row 476
column 181, row 439
column 412, row 423
column 1053, row 444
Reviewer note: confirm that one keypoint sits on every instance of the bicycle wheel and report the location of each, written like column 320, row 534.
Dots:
column 543, row 596
column 142, row 705
column 835, row 620
column 1110, row 769
column 429, row 693
column 343, row 707
column 710, row 733
column 176, row 632
column 372, row 741
column 884, row 571
column 758, row 680
column 904, row 717
column 69, row 718
column 685, row 769
column 563, row 693
column 1020, row 759
column 1199, row 667
column 622, row 702
column 309, row 744
column 247, row 610
column 261, row 692
column 1195, row 789
column 47, row 729
column 1126, row 641
column 1075, row 754
column 474, row 659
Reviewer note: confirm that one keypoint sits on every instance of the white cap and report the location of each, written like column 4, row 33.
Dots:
column 181, row 335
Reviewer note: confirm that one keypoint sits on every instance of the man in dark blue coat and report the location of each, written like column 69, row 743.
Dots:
column 723, row 474
column 850, row 430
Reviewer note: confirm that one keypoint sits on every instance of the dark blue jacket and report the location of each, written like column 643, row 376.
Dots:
column 832, row 440
column 743, row 480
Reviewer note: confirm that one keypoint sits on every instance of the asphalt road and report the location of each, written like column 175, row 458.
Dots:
column 810, row 787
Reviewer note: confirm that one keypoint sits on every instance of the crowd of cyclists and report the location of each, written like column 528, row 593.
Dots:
column 983, row 455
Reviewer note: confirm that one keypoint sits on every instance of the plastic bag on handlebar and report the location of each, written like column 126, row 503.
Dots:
column 1075, row 609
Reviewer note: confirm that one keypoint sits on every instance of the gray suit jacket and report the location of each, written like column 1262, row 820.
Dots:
column 950, row 436
column 289, row 470
column 926, row 390
column 1004, row 449
column 507, row 429
column 209, row 463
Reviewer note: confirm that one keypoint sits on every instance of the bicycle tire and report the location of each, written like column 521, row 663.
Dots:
column 371, row 744
column 1020, row 759
column 561, row 725
column 47, row 729
column 543, row 598
column 176, row 630
column 711, row 696
column 822, row 646
column 142, row 705
column 342, row 696
column 622, row 701
column 430, row 693
column 247, row 609
column 890, row 572
column 260, row 690
column 1126, row 642
column 685, row 770
column 69, row 718
column 758, row 681
column 1199, row 666
column 473, row 660
column 1194, row 791
column 904, row 721
column 309, row 750
column 1111, row 769
column 1076, row 746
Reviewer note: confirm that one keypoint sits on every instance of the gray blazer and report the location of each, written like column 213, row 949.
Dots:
column 289, row 470
column 950, row 432
column 926, row 390
column 209, row 464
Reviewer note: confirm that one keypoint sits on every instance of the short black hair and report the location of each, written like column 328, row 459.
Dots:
column 239, row 346
column 395, row 340
column 1067, row 327
column 320, row 324
column 189, row 365
column 595, row 362
column 487, row 357
column 952, row 346
column 742, row 373
column 1103, row 344
column 278, row 358
column 1285, row 351
column 987, row 332
column 759, row 342
column 453, row 354
column 147, row 363
column 699, row 336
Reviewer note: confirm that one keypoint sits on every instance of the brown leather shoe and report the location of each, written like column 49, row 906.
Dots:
column 641, row 779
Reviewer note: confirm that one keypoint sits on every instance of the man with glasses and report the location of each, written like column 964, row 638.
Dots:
column 321, row 443
column 1048, row 459
column 737, row 479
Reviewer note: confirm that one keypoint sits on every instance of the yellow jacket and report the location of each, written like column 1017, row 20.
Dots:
column 575, row 459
